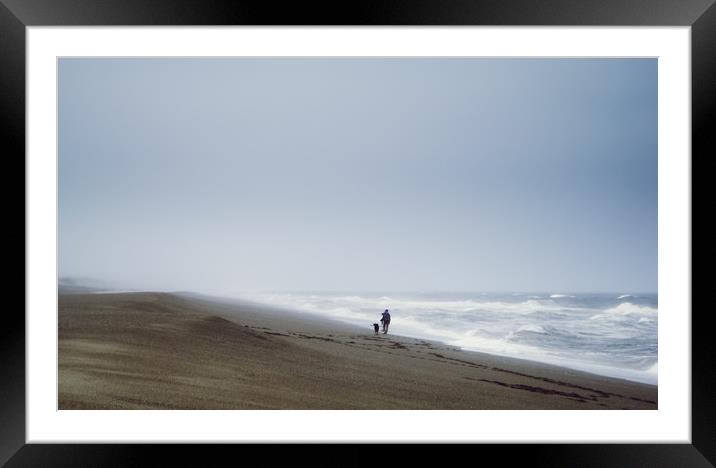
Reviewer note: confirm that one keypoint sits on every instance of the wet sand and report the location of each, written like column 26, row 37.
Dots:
column 177, row 351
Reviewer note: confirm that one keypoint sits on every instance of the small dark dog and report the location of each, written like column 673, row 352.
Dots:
column 376, row 327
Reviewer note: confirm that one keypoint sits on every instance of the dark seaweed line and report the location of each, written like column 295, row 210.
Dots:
column 599, row 393
column 570, row 395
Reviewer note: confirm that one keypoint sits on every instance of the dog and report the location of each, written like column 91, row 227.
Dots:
column 376, row 327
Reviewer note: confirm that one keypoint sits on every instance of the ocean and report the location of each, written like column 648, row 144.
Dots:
column 607, row 334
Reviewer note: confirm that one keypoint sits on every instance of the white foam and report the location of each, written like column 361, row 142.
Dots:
column 625, row 310
column 531, row 328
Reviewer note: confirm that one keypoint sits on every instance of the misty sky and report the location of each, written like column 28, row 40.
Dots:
column 360, row 174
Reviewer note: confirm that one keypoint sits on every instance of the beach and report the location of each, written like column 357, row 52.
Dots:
column 179, row 351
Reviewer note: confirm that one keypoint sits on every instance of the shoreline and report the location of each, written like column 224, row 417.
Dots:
column 176, row 351
column 628, row 375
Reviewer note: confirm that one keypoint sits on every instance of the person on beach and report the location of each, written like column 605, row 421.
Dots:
column 386, row 321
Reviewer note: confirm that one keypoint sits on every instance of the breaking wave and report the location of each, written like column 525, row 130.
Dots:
column 626, row 310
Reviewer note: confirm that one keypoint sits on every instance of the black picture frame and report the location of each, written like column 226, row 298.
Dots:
column 16, row 15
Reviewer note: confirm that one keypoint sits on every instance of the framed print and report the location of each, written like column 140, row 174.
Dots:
column 426, row 224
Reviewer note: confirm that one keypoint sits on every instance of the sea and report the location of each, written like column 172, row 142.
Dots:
column 611, row 334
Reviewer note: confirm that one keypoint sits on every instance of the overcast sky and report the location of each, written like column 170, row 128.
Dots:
column 223, row 175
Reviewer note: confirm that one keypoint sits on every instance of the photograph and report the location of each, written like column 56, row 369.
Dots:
column 357, row 233
column 395, row 224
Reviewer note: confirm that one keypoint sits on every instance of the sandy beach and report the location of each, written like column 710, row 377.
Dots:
column 177, row 351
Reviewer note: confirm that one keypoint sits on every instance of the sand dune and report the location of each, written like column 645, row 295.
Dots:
column 169, row 351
